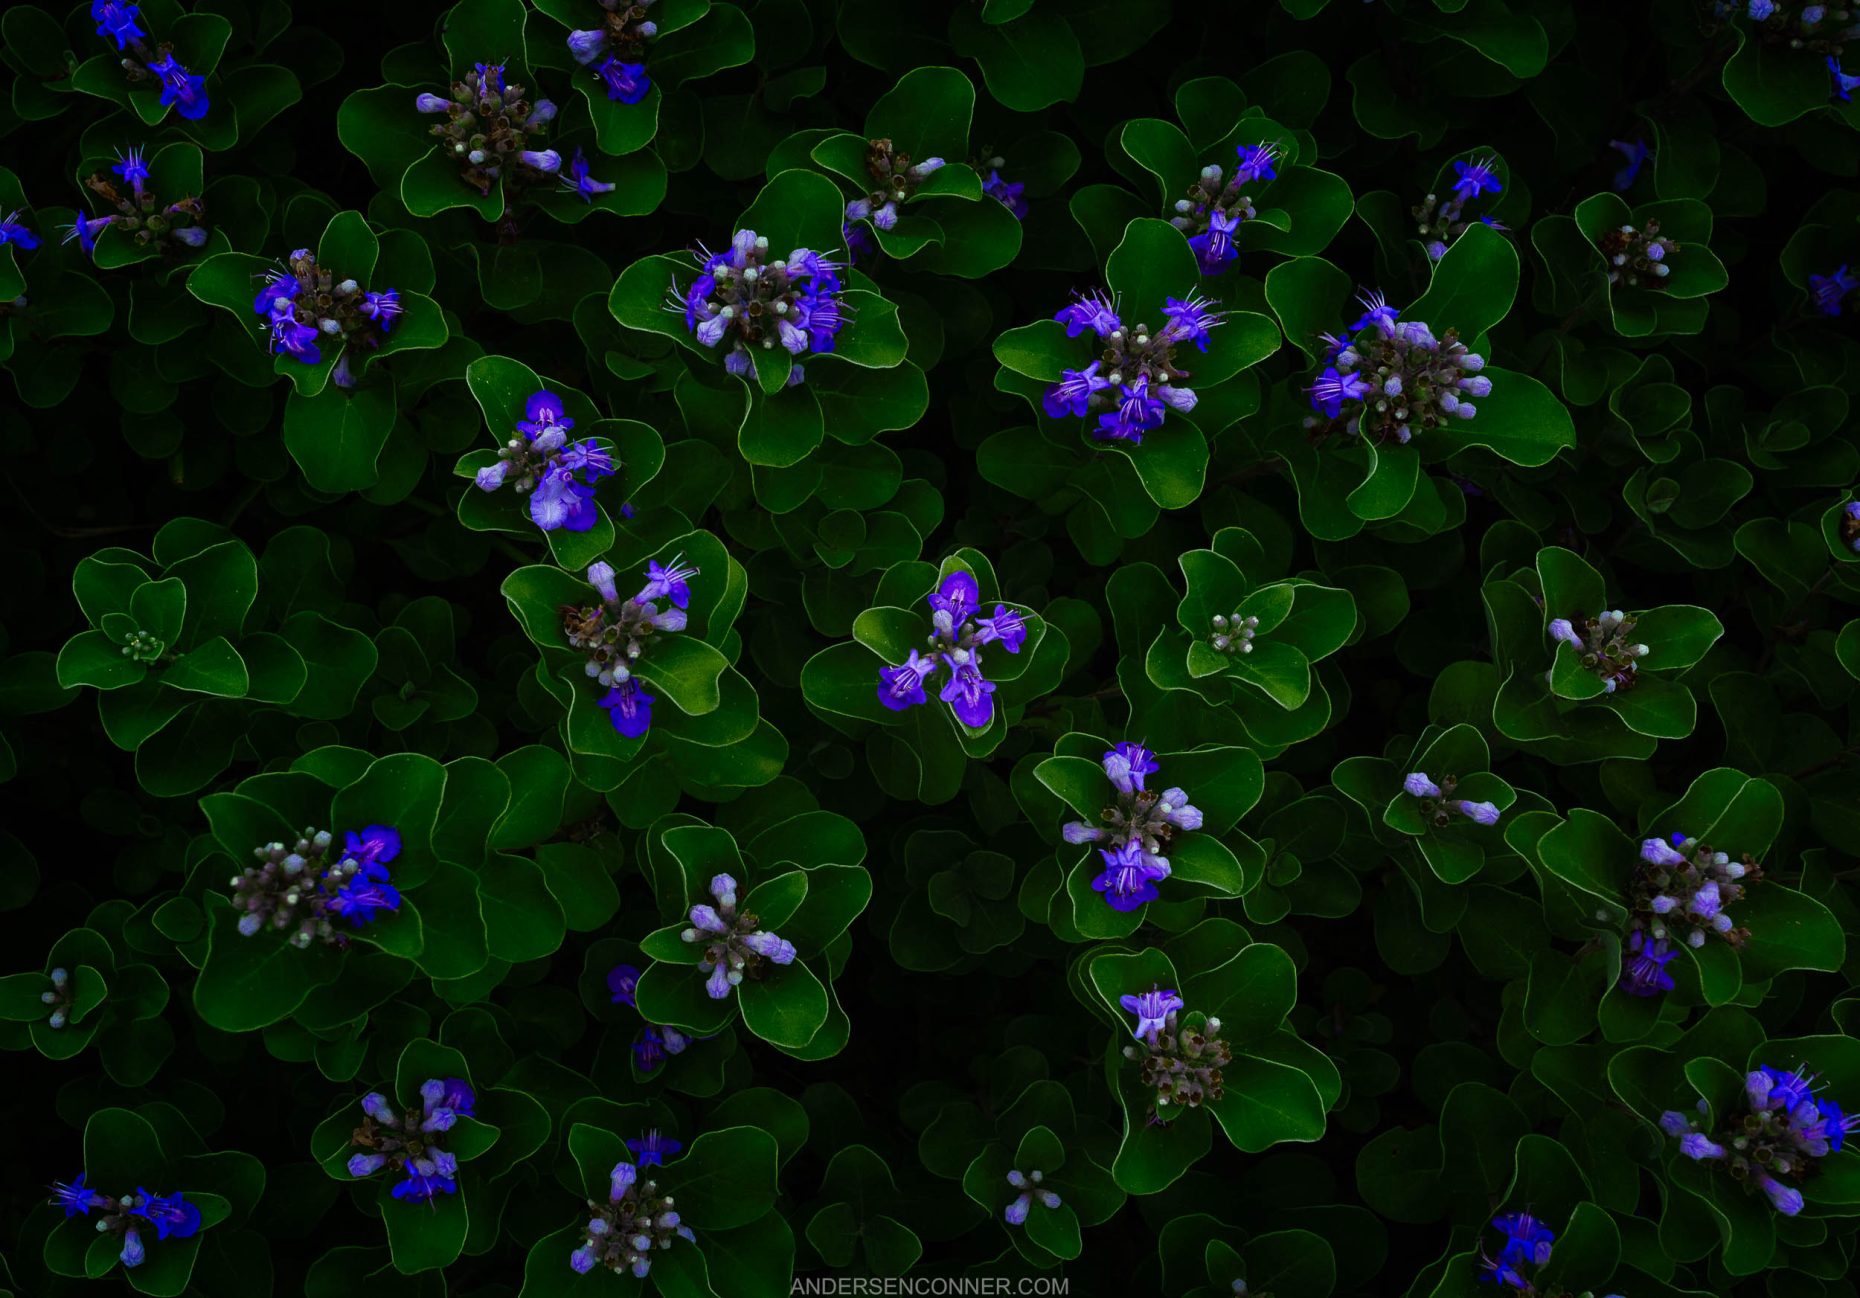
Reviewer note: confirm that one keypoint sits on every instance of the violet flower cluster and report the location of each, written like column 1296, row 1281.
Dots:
column 145, row 217
column 1135, row 381
column 180, row 89
column 756, row 303
column 309, row 308
column 1217, row 204
column 632, row 1224
column 1637, row 257
column 1525, row 1252
column 1680, row 891
column 895, row 180
column 736, row 946
column 616, row 50
column 170, row 1215
column 1387, row 380
column 1137, row 827
column 1439, row 221
column 1778, row 1144
column 1603, row 646
column 1438, row 804
column 616, row 632
column 487, row 130
column 1181, row 1057
column 655, row 1043
column 297, row 886
column 409, row 1143
column 955, row 644
column 542, row 463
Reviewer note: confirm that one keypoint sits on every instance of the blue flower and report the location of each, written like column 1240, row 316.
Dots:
column 626, row 82
column 75, row 1197
column 171, row 1214
column 181, row 89
column 902, row 686
column 1636, row 152
column 1073, row 393
column 1377, row 312
column 653, row 1148
column 375, row 845
column 1644, row 973
column 1418, row 785
column 132, row 168
column 629, row 707
column 1843, row 84
column 954, row 601
column 422, row 1187
column 1092, row 311
column 1256, row 163
column 490, row 78
column 11, row 231
column 1190, row 319
column 1137, row 411
column 1129, row 877
column 1152, row 1009
column 1826, row 291
column 1126, row 765
column 969, row 694
column 360, row 900
column 1475, row 178
column 383, row 308
column 577, row 180
column 668, row 582
column 87, row 231
column 117, row 21
column 1214, row 247
column 1526, row 1238
column 133, row 1254
column 1006, row 193
column 622, row 979
column 1006, row 627
column 291, row 338
column 1333, row 388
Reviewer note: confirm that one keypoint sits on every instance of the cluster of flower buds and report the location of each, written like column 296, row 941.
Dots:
column 172, row 1216
column 1030, row 1187
column 1135, row 381
column 1439, row 221
column 956, row 639
column 1814, row 28
column 309, row 308
column 142, row 61
column 758, row 303
column 1438, row 804
column 409, row 1142
column 1775, row 1146
column 735, row 944
column 488, row 127
column 59, row 998
column 1232, row 635
column 614, row 634
column 1683, row 886
column 634, row 1222
column 144, row 647
column 297, row 887
column 1388, row 380
column 139, row 213
column 995, row 186
column 1137, row 827
column 616, row 50
column 1217, row 203
column 1181, row 1056
column 1603, row 646
column 1637, row 257
column 895, row 178
column 540, row 462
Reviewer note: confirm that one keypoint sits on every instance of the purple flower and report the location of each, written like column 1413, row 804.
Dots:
column 902, row 686
column 361, row 900
column 490, row 78
column 1697, row 1146
column 1644, row 972
column 620, row 1180
column 1377, row 312
column 1475, row 178
column 383, row 308
column 74, row 1197
column 1175, row 808
column 651, row 1149
column 361, row 1165
column 629, row 707
column 770, row 947
column 1420, row 786
column 1785, row 1199
column 1092, row 311
column 133, row 1253
column 426, row 102
column 11, row 231
column 1333, row 388
column 375, row 845
column 172, row 1215
column 547, row 161
column 132, row 168
column 1077, row 832
column 955, row 600
column 1152, row 1009
column 1836, row 1125
column 117, row 21
column 180, row 89
column 1214, row 248
column 423, row 1187
column 621, row 980
column 1129, row 876
column 1006, row 627
column 1828, row 291
column 1526, row 1238
column 1636, row 154
column 458, row 1096
column 588, row 45
column 1126, row 765
column 298, row 341
column 577, row 180
column 668, row 582
column 1190, row 319
column 1480, row 813
column 821, row 314
column 1561, row 629
column 969, row 695
column 1655, row 851
column 541, row 413
column 1016, row 1212
column 1137, row 411
column 1073, row 393
column 1675, row 1123
column 1256, row 163
column 626, row 82
column 1006, row 193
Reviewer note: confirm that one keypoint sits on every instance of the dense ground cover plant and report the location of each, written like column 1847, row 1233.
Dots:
column 689, row 645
